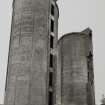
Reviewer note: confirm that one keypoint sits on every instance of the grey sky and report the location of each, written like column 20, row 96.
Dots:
column 75, row 15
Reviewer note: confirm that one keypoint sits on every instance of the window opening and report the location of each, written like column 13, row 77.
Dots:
column 50, row 101
column 52, row 9
column 52, row 25
column 50, row 79
column 51, row 60
column 51, row 41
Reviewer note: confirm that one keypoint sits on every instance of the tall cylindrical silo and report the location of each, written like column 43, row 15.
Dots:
column 75, row 75
column 32, row 53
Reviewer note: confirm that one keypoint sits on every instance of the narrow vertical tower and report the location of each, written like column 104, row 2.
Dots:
column 32, row 53
column 75, row 75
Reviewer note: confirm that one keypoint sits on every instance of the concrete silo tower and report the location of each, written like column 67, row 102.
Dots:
column 32, row 53
column 75, row 75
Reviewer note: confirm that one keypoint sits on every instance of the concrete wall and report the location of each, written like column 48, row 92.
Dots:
column 72, row 70
column 28, row 62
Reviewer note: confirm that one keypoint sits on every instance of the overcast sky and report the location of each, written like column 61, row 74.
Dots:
column 75, row 15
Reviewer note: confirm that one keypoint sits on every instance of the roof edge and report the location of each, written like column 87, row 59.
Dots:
column 84, row 32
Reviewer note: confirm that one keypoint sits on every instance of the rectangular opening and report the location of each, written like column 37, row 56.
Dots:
column 51, row 41
column 51, row 60
column 88, row 76
column 50, row 79
column 52, row 26
column 52, row 9
column 50, row 101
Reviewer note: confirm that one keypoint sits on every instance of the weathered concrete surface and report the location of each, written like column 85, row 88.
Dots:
column 28, row 63
column 74, row 86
